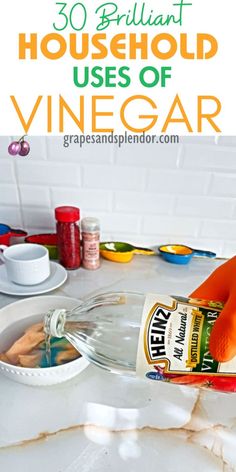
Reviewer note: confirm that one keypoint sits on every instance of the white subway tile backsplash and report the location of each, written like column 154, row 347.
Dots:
column 226, row 141
column 7, row 171
column 223, row 185
column 204, row 207
column 172, row 226
column 38, row 147
column 37, row 196
column 4, row 143
column 229, row 248
column 197, row 140
column 9, row 195
column 119, row 223
column 209, row 158
column 114, row 177
column 38, row 218
column 83, row 198
column 116, row 223
column 178, row 182
column 144, row 194
column 142, row 203
column 225, row 230
column 47, row 173
column 11, row 215
column 163, row 156
column 88, row 153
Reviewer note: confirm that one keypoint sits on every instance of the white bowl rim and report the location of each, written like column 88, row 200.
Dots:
column 40, row 370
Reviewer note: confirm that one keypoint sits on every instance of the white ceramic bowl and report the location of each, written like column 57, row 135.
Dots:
column 14, row 318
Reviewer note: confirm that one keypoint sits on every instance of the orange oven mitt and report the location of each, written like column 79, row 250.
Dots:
column 221, row 286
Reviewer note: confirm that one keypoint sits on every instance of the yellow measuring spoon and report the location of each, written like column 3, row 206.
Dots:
column 122, row 252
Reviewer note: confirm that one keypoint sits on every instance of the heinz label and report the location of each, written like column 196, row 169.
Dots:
column 174, row 338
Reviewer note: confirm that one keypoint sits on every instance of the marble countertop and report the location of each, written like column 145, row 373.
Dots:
column 102, row 422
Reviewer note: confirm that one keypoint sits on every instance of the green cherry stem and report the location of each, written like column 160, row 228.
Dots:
column 22, row 138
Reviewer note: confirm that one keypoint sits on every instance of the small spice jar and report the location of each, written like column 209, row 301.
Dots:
column 68, row 236
column 90, row 239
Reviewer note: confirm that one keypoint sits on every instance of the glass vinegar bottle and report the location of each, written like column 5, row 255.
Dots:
column 105, row 329
column 157, row 337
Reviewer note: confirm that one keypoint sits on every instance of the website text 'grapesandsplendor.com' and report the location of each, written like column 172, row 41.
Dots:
column 119, row 139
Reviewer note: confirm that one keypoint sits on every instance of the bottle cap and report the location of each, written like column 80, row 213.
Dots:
column 90, row 224
column 55, row 321
column 67, row 214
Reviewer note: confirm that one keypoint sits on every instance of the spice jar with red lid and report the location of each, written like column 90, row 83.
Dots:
column 68, row 236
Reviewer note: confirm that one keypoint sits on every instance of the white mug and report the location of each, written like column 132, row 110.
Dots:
column 26, row 264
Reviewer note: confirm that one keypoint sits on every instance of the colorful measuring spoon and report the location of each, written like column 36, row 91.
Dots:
column 181, row 254
column 122, row 252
